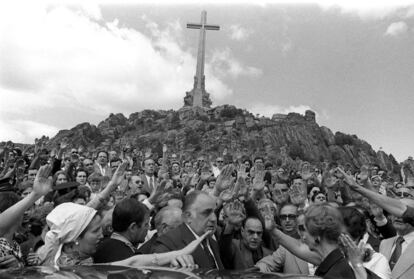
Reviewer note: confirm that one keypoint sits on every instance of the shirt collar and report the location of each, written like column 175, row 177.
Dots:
column 122, row 238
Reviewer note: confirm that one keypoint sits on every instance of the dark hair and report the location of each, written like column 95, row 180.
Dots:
column 80, row 170
column 354, row 221
column 315, row 194
column 127, row 212
column 252, row 217
column 8, row 199
column 258, row 158
column 100, row 151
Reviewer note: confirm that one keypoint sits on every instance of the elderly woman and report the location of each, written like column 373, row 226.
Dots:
column 323, row 228
column 75, row 231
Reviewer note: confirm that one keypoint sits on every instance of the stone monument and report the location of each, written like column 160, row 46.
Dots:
column 198, row 96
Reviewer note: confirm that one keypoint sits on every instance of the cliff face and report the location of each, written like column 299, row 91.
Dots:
column 192, row 130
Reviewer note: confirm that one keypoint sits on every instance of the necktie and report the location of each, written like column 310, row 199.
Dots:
column 397, row 252
column 210, row 257
column 151, row 183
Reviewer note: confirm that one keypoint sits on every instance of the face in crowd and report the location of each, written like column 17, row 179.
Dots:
column 200, row 215
column 102, row 158
column 88, row 165
column 252, row 232
column 81, row 177
column 288, row 216
column 149, row 167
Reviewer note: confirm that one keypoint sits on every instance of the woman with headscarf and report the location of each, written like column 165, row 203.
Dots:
column 75, row 231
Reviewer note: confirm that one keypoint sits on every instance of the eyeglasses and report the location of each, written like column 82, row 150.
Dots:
column 139, row 182
column 288, row 216
column 301, row 227
column 404, row 195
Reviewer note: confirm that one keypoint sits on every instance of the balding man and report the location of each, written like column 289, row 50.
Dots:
column 199, row 217
column 167, row 219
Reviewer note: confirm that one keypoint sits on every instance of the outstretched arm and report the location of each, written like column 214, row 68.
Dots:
column 41, row 186
column 296, row 247
column 391, row 205
column 180, row 257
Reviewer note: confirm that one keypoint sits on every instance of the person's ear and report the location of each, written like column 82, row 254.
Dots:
column 186, row 216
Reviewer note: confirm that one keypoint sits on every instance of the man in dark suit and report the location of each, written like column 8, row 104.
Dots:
column 130, row 225
column 168, row 218
column 199, row 217
column 148, row 177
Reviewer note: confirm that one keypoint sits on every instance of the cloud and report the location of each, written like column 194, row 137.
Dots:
column 239, row 33
column 396, row 28
column 68, row 62
column 225, row 65
column 269, row 110
column 25, row 130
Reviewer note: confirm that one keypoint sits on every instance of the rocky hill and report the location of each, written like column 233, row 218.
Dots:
column 192, row 131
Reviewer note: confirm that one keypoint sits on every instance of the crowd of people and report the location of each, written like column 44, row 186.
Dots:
column 66, row 207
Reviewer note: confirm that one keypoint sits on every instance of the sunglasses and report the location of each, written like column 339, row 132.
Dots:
column 220, row 161
column 288, row 216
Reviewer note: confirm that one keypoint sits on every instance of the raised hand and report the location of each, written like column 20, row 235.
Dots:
column 297, row 194
column 164, row 148
column 43, row 181
column 258, row 180
column 234, row 213
column 119, row 173
column 148, row 152
column 241, row 172
column 306, row 171
column 159, row 189
column 225, row 180
column 355, row 253
column 64, row 143
column 348, row 178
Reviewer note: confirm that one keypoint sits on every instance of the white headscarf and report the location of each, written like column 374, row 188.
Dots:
column 66, row 222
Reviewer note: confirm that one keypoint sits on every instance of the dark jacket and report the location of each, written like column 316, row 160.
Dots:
column 112, row 250
column 180, row 237
column 335, row 266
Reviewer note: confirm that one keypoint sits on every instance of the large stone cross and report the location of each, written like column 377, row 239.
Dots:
column 199, row 79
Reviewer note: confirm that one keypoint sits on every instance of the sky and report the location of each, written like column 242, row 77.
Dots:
column 67, row 62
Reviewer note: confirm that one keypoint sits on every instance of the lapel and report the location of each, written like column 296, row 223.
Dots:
column 404, row 262
column 186, row 237
column 216, row 252
column 387, row 246
column 199, row 255
column 146, row 184
column 302, row 265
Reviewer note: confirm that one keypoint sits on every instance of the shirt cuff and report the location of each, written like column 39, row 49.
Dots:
column 148, row 204
column 381, row 222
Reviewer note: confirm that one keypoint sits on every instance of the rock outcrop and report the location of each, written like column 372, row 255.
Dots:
column 196, row 130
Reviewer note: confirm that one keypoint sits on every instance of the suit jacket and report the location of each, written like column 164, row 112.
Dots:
column 404, row 268
column 107, row 170
column 112, row 250
column 335, row 266
column 146, row 187
column 180, row 237
column 284, row 262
